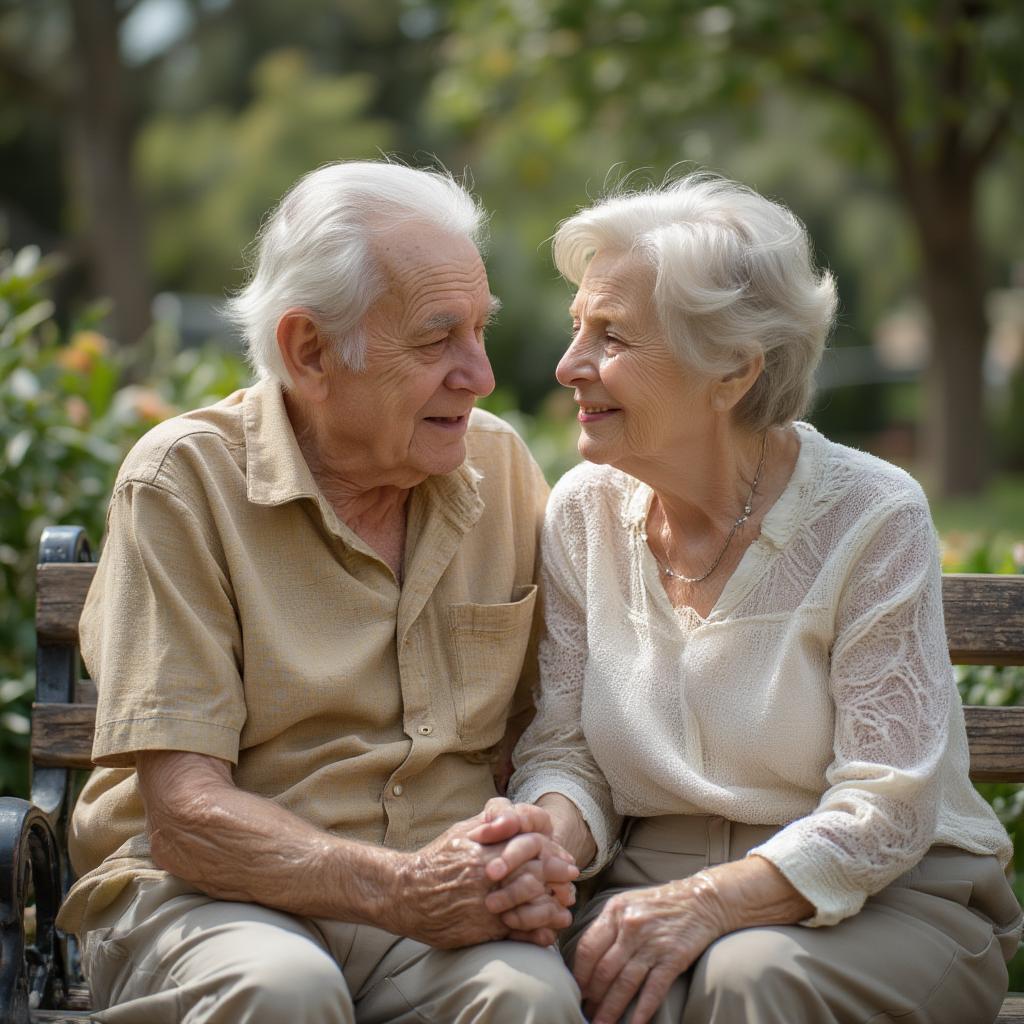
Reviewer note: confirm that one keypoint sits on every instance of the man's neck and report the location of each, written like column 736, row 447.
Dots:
column 373, row 510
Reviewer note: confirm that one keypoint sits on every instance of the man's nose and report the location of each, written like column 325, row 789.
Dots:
column 577, row 364
column 473, row 370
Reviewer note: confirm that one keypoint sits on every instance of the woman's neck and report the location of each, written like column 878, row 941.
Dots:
column 701, row 490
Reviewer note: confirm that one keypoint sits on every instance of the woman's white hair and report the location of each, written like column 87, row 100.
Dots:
column 313, row 251
column 734, row 277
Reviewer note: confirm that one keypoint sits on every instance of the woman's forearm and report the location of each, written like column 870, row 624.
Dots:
column 570, row 829
column 753, row 891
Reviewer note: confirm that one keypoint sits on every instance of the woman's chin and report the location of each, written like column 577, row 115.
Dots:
column 594, row 451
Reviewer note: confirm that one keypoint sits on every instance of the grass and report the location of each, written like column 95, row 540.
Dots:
column 999, row 511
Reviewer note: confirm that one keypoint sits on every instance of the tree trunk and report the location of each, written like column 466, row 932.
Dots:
column 101, row 172
column 955, row 429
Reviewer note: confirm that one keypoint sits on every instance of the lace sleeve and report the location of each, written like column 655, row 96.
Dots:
column 893, row 688
column 552, row 755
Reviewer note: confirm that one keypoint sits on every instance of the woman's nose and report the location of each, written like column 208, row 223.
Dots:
column 576, row 364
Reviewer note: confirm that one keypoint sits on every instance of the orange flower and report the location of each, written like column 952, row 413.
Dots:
column 150, row 405
column 77, row 411
column 85, row 350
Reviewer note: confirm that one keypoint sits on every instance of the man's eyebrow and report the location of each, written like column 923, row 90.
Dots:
column 441, row 322
column 446, row 321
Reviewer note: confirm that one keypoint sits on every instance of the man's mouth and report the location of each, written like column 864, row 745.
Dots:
column 448, row 421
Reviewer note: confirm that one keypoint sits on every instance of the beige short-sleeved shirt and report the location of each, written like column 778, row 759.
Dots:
column 233, row 614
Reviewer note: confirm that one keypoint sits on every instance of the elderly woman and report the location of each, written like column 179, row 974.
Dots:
column 745, row 658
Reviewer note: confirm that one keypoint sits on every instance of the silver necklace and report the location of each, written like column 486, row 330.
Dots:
column 748, row 505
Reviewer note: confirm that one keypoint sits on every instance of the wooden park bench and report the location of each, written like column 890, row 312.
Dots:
column 39, row 975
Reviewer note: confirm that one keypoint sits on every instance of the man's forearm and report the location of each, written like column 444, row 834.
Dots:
column 235, row 845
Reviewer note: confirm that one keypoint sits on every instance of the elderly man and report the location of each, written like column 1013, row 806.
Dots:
column 308, row 630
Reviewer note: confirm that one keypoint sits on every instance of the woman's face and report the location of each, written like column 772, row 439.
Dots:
column 638, row 406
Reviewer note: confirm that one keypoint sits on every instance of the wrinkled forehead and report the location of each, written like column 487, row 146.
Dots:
column 431, row 275
column 616, row 284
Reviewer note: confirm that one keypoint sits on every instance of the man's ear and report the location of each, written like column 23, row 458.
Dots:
column 304, row 351
column 730, row 388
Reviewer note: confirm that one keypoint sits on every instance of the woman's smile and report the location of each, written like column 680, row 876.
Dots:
column 596, row 413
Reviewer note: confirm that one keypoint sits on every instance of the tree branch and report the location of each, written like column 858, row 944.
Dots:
column 980, row 155
column 34, row 88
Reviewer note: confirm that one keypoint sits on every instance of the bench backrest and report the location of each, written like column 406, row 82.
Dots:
column 984, row 626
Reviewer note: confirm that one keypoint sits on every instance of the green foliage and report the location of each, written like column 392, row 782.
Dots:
column 211, row 176
column 68, row 419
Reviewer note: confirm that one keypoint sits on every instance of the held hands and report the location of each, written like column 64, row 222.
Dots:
column 535, row 873
column 446, row 888
column 642, row 941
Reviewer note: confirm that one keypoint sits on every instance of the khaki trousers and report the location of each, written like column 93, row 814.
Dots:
column 165, row 954
column 929, row 949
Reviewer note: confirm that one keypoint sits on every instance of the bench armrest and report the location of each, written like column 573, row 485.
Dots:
column 31, row 967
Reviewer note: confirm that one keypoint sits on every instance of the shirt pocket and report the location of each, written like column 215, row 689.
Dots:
column 490, row 642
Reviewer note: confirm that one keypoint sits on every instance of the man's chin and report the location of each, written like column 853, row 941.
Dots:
column 441, row 462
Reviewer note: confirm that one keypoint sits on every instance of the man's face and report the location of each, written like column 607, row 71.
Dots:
column 405, row 415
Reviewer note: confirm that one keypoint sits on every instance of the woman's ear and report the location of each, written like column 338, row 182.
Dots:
column 305, row 355
column 730, row 388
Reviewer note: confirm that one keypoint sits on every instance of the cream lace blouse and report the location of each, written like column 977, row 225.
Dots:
column 817, row 694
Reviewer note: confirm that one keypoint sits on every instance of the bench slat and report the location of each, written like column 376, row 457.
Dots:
column 1012, row 1011
column 60, row 593
column 62, row 738
column 997, row 750
column 984, row 618
column 984, row 613
column 62, row 735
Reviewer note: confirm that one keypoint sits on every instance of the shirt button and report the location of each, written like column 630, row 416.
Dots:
column 425, row 730
column 398, row 789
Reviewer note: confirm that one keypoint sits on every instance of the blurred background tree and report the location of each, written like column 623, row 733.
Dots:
column 145, row 139
column 915, row 98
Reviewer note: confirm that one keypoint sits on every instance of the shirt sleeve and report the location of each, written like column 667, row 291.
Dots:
column 894, row 691
column 553, row 755
column 160, row 634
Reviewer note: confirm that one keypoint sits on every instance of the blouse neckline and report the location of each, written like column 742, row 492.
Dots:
column 777, row 528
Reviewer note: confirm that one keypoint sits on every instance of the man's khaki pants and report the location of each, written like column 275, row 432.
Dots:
column 165, row 954
column 929, row 949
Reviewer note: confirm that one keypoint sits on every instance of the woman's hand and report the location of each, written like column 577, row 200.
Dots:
column 645, row 938
column 641, row 942
column 532, row 885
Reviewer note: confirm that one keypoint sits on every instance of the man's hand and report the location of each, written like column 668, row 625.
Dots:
column 443, row 887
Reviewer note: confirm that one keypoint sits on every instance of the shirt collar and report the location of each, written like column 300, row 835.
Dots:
column 276, row 471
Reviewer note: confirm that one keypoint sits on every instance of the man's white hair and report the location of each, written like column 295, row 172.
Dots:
column 313, row 251
column 734, row 277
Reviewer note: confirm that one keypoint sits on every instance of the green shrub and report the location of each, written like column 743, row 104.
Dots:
column 71, row 405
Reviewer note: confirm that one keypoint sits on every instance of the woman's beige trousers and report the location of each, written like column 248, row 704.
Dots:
column 929, row 949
